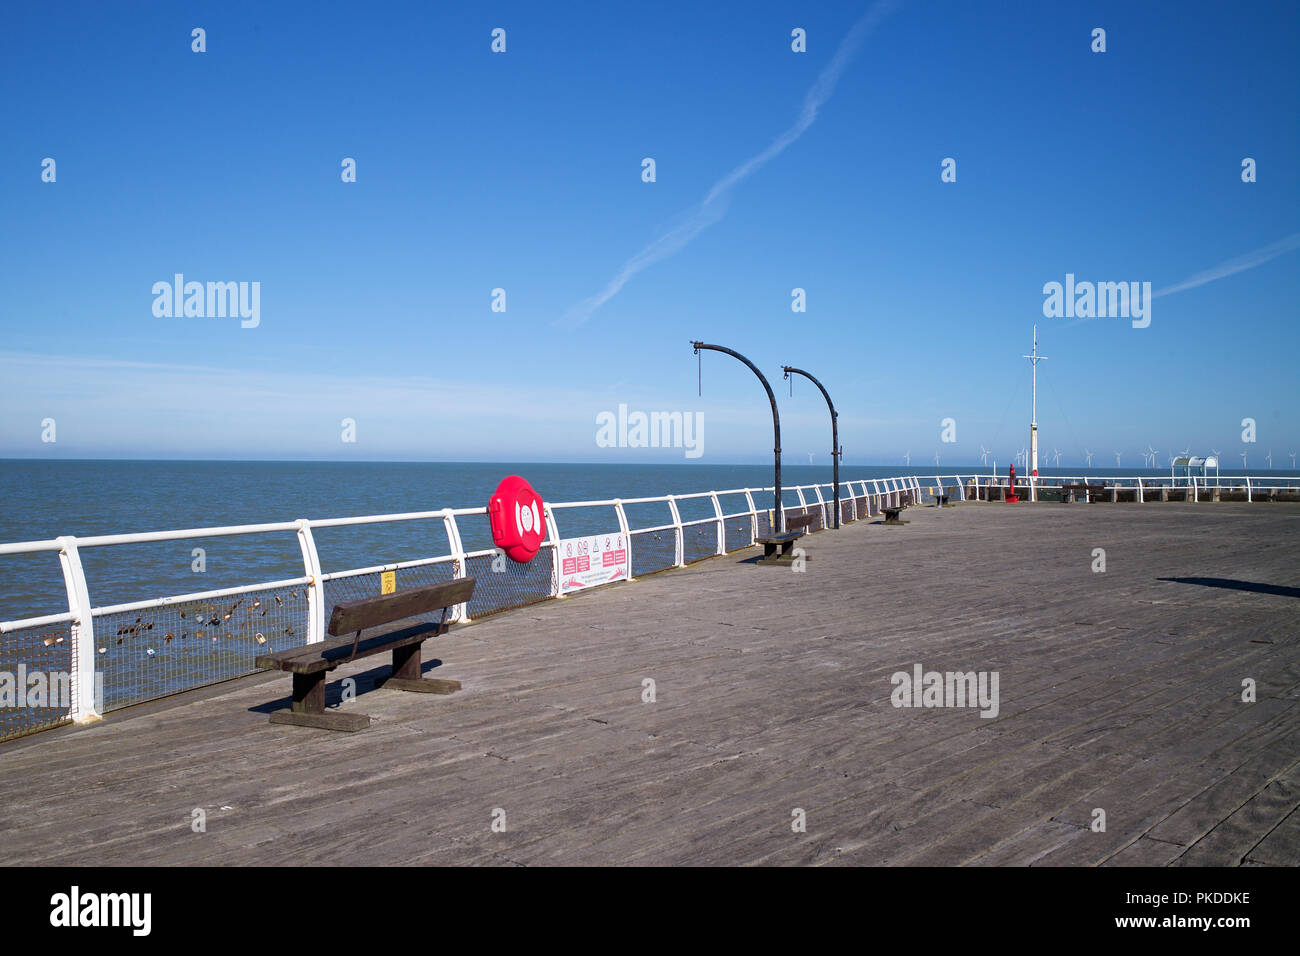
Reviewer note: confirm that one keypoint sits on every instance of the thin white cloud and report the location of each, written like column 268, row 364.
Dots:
column 1240, row 264
column 714, row 205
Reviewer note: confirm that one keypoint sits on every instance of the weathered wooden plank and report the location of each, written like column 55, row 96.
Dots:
column 773, row 692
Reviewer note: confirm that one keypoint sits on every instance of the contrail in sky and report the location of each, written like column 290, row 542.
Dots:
column 1224, row 269
column 714, row 205
column 1240, row 264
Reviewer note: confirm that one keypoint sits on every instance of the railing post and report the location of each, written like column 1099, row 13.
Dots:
column 458, row 569
column 753, row 517
column 1141, row 499
column 677, row 523
column 722, row 530
column 627, row 538
column 316, row 586
column 553, row 532
column 85, row 702
column 1249, row 499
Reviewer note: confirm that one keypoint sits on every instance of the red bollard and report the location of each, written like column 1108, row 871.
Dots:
column 1011, row 497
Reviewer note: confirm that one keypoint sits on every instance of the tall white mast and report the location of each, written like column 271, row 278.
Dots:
column 1034, row 359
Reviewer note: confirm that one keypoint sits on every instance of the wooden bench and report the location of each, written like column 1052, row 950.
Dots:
column 311, row 663
column 1069, row 491
column 892, row 515
column 796, row 528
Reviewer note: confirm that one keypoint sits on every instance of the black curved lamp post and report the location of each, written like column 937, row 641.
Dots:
column 835, row 432
column 778, row 512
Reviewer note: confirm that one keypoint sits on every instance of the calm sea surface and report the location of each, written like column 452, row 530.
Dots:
column 45, row 499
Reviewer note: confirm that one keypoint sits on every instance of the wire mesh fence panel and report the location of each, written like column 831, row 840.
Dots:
column 653, row 551
column 699, row 541
column 739, row 533
column 36, row 668
column 158, row 651
column 501, row 584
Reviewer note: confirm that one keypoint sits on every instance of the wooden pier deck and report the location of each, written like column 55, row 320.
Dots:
column 1119, row 690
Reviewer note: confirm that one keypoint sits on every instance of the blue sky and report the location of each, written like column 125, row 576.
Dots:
column 522, row 171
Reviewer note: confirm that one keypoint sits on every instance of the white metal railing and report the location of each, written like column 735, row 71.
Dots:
column 1197, row 487
column 82, row 614
column 875, row 493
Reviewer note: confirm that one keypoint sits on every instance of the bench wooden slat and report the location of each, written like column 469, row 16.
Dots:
column 370, row 612
column 327, row 655
column 779, row 538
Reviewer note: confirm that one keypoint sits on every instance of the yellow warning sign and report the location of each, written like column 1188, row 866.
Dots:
column 388, row 582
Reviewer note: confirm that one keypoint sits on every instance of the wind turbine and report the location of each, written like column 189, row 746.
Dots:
column 810, row 454
column 1117, row 460
column 1269, row 459
column 984, row 455
column 1243, row 461
column 1056, row 457
column 907, row 458
column 936, row 459
column 1293, row 461
column 1151, row 453
column 1088, row 457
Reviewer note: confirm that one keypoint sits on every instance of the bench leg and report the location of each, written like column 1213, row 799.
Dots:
column 406, row 674
column 309, row 693
column 308, row 707
column 784, row 556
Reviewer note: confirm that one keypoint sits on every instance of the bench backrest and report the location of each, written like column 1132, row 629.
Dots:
column 798, row 521
column 371, row 612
